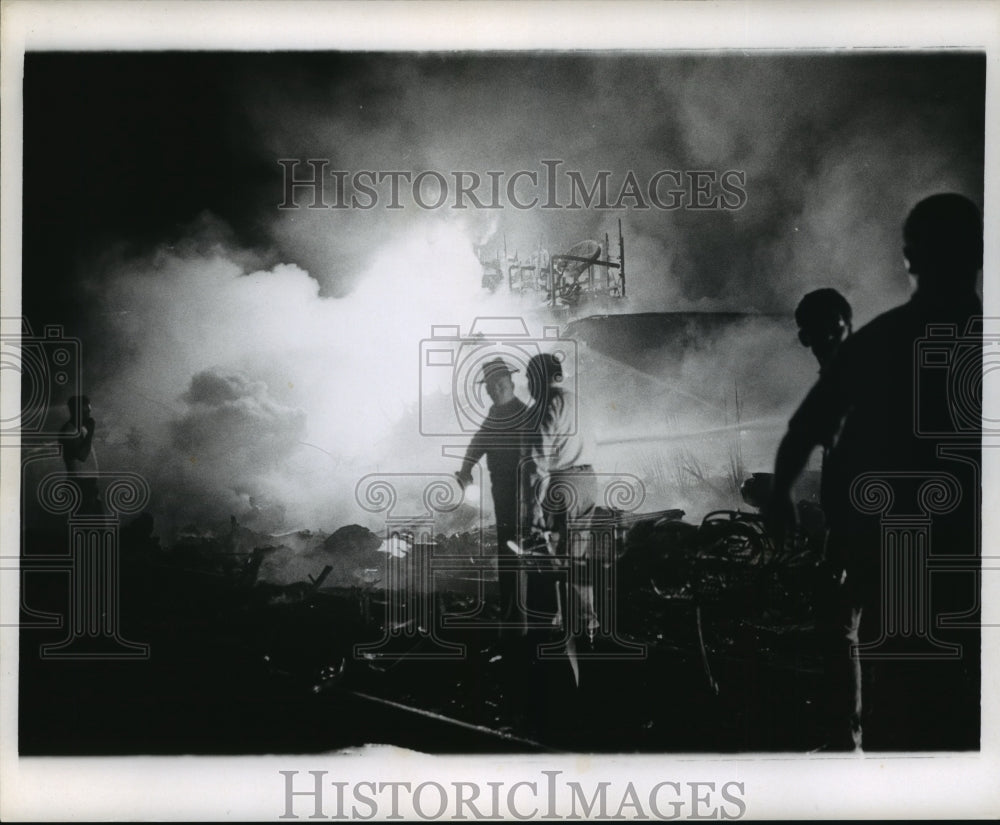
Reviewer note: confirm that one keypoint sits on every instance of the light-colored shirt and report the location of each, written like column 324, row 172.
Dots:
column 562, row 444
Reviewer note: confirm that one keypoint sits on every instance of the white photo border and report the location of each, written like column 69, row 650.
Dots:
column 776, row 786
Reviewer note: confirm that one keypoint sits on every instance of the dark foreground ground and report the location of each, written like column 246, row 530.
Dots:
column 237, row 669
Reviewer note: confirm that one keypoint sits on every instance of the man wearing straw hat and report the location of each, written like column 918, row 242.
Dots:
column 499, row 439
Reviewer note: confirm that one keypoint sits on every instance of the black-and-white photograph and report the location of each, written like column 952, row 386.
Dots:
column 498, row 402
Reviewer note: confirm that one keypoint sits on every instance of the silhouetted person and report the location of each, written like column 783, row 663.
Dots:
column 824, row 319
column 499, row 439
column 561, row 488
column 76, row 440
column 868, row 401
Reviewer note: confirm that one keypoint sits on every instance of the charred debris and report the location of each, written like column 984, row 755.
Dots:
column 714, row 601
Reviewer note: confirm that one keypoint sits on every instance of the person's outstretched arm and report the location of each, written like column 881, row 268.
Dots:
column 815, row 422
column 476, row 451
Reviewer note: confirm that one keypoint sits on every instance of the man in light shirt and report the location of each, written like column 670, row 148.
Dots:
column 559, row 490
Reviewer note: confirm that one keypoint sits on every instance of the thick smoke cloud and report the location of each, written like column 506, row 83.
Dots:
column 835, row 150
column 240, row 392
column 264, row 379
column 234, row 430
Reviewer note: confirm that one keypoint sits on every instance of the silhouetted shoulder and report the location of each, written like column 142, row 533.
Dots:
column 886, row 325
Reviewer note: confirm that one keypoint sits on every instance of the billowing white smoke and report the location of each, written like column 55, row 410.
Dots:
column 315, row 362
column 692, row 420
column 248, row 394
column 227, row 386
column 835, row 148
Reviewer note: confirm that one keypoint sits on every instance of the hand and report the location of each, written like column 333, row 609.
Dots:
column 536, row 540
column 539, row 546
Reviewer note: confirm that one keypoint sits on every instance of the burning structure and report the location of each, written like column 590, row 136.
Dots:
column 583, row 276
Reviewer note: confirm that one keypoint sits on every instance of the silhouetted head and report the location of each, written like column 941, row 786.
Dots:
column 824, row 319
column 544, row 371
column 943, row 244
column 79, row 407
column 500, row 389
column 496, row 375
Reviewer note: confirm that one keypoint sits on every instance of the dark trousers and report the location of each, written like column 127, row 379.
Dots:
column 839, row 625
column 512, row 587
column 913, row 702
